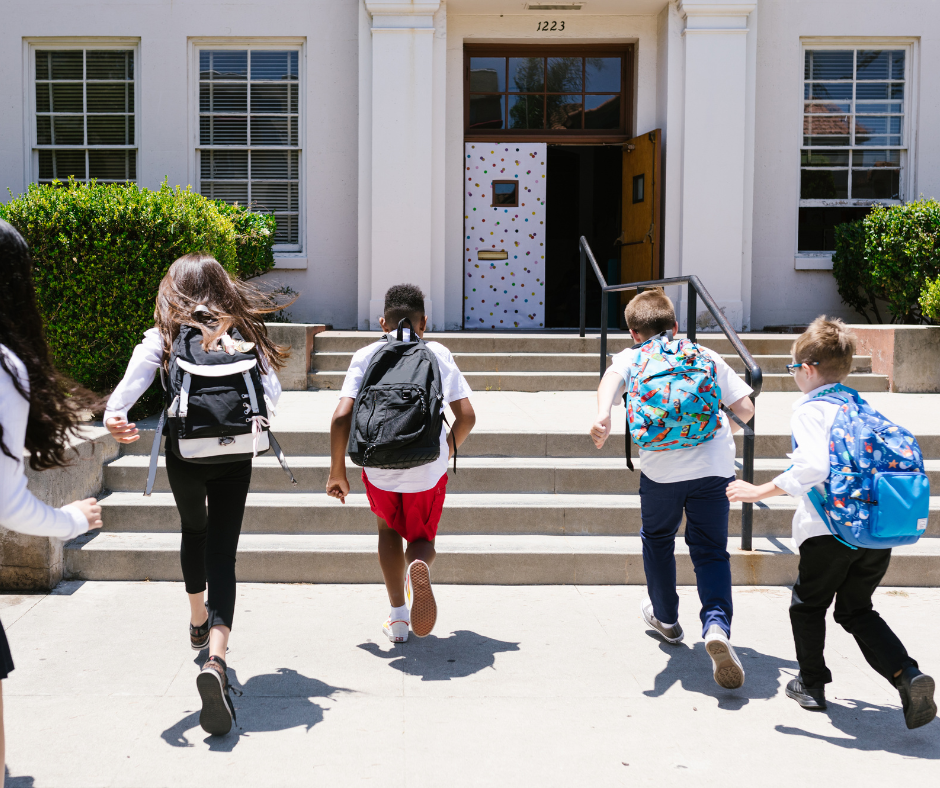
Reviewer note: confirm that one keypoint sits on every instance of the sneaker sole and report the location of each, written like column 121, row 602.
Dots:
column 215, row 718
column 393, row 638
column 727, row 672
column 812, row 706
column 656, row 629
column 423, row 605
column 922, row 708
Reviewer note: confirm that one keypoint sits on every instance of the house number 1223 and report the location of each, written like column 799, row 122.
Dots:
column 553, row 25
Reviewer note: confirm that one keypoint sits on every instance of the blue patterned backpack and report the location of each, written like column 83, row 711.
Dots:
column 877, row 494
column 674, row 400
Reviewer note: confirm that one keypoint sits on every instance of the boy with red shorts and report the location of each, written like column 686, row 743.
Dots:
column 407, row 503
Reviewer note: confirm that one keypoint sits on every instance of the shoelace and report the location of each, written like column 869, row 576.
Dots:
column 258, row 423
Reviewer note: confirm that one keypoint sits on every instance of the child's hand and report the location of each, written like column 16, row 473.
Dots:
column 742, row 492
column 92, row 511
column 338, row 487
column 121, row 430
column 601, row 431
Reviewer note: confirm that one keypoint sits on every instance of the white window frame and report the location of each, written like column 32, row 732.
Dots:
column 907, row 189
column 30, row 46
column 286, row 255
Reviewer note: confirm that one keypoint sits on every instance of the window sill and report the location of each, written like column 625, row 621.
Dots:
column 813, row 262
column 281, row 261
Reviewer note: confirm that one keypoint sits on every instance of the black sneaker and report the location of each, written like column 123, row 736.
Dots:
column 917, row 701
column 218, row 713
column 199, row 636
column 811, row 699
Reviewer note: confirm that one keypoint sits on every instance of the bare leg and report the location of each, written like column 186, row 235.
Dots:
column 198, row 615
column 218, row 641
column 420, row 550
column 392, row 561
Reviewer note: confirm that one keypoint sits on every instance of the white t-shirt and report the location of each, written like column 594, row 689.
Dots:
column 454, row 385
column 712, row 458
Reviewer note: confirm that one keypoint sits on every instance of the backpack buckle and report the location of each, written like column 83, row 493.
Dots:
column 228, row 440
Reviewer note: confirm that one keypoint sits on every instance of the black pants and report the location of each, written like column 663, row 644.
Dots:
column 830, row 569
column 211, row 503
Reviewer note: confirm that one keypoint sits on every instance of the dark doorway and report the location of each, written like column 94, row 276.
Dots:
column 583, row 194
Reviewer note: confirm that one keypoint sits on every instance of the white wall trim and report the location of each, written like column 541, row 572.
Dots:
column 813, row 262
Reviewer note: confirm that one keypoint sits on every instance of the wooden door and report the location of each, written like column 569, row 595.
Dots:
column 639, row 255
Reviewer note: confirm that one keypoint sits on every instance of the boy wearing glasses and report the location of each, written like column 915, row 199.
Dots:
column 822, row 359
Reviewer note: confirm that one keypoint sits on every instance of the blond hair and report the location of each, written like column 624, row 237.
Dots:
column 829, row 345
column 650, row 313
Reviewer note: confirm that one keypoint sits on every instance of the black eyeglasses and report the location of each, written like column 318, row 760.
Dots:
column 792, row 368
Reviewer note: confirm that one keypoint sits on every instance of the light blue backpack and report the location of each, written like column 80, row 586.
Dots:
column 877, row 494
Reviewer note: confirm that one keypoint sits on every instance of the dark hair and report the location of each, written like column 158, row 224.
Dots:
column 56, row 404
column 199, row 279
column 403, row 301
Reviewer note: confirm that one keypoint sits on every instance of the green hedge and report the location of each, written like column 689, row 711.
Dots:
column 891, row 256
column 99, row 253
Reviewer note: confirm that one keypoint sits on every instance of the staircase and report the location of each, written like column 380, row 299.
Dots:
column 532, row 503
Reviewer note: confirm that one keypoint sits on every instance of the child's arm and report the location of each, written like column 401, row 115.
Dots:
column 141, row 370
column 743, row 492
column 744, row 410
column 607, row 392
column 337, row 486
column 464, row 419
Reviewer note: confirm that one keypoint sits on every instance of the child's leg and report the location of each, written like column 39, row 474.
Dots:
column 881, row 647
column 226, row 493
column 187, row 481
column 3, row 743
column 661, row 513
column 392, row 561
column 706, row 534
column 421, row 550
column 824, row 564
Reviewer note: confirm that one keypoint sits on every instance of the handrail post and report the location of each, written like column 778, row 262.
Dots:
column 603, row 332
column 691, row 312
column 583, row 287
column 747, row 473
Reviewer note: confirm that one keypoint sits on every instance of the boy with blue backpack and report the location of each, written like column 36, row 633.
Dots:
column 675, row 390
column 862, row 489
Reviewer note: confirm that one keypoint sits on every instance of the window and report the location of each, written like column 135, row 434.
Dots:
column 854, row 146
column 85, row 107
column 505, row 194
column 560, row 90
column 249, row 133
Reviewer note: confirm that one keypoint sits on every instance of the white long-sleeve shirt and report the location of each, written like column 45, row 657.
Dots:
column 810, row 424
column 142, row 368
column 20, row 510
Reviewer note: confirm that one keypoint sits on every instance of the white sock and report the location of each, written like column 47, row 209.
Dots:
column 400, row 613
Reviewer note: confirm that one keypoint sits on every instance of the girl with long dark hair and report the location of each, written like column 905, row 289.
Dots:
column 197, row 292
column 40, row 410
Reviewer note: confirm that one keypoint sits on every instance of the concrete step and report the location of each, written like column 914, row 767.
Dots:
column 323, row 362
column 475, row 475
column 464, row 513
column 508, row 560
column 582, row 381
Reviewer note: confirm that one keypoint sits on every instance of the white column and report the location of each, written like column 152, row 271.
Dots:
column 402, row 143
column 715, row 149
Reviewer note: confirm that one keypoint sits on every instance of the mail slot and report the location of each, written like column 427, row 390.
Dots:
column 493, row 254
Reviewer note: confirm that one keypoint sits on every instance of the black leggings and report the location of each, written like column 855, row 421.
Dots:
column 210, row 533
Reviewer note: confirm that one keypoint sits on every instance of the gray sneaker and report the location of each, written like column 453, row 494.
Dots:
column 672, row 634
column 728, row 671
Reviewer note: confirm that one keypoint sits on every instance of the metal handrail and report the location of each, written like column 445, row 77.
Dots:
column 752, row 371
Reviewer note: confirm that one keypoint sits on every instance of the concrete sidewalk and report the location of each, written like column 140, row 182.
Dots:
column 540, row 686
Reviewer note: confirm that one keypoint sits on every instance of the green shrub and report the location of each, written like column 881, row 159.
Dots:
column 891, row 255
column 99, row 253
column 254, row 236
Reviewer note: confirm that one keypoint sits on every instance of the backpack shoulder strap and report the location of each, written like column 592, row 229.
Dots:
column 154, row 454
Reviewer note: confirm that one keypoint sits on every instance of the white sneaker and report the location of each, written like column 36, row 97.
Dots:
column 673, row 634
column 728, row 671
column 420, row 598
column 396, row 631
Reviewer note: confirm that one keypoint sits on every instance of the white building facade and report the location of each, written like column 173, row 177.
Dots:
column 683, row 137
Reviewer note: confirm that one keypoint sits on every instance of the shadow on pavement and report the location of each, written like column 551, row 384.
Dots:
column 870, row 727
column 17, row 782
column 457, row 656
column 271, row 702
column 691, row 667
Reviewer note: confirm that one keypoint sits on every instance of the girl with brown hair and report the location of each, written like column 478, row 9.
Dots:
column 197, row 292
column 40, row 411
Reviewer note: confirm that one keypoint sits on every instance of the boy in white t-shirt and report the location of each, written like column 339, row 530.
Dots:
column 407, row 503
column 688, row 481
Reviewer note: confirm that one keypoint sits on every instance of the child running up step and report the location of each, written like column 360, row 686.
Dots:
column 407, row 502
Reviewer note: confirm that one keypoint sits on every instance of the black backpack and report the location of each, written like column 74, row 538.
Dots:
column 399, row 411
column 215, row 410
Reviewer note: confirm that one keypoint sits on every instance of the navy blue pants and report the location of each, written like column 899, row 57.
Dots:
column 706, row 507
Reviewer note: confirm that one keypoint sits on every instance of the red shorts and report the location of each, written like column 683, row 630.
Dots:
column 411, row 515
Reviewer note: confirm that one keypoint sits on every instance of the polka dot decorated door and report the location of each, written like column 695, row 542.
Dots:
column 504, row 235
